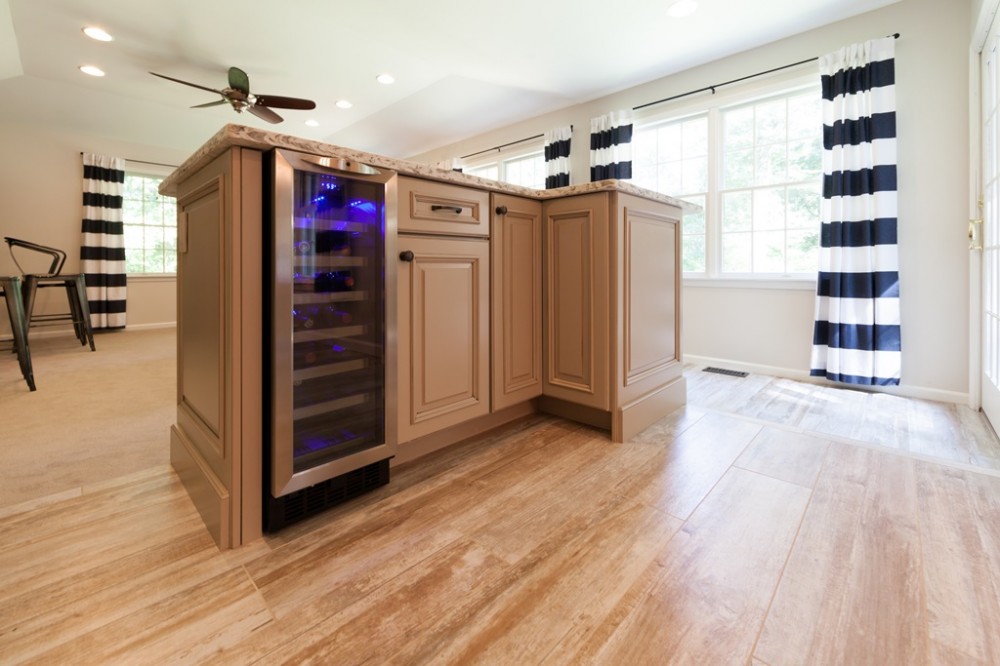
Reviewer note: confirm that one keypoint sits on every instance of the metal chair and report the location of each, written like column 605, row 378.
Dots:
column 74, row 284
column 10, row 289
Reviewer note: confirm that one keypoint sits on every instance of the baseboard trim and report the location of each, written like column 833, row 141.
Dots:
column 904, row 390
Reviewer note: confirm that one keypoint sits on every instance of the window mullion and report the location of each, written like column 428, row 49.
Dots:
column 713, row 199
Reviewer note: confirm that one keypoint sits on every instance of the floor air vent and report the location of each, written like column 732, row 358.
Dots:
column 724, row 371
column 282, row 511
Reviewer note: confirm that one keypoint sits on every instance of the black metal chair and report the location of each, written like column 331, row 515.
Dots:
column 74, row 284
column 10, row 289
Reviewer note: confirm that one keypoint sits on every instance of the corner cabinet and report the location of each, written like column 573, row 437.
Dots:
column 612, row 282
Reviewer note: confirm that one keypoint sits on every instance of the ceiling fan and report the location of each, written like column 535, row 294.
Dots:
column 238, row 95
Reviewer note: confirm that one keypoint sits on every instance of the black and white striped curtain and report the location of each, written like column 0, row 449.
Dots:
column 557, row 144
column 856, row 336
column 611, row 146
column 102, row 252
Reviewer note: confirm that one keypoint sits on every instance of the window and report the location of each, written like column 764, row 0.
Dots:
column 150, row 222
column 754, row 166
column 524, row 168
column 672, row 157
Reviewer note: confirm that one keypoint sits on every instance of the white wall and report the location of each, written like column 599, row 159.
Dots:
column 41, row 200
column 772, row 330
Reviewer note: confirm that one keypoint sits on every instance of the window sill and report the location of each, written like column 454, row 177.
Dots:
column 151, row 277
column 791, row 284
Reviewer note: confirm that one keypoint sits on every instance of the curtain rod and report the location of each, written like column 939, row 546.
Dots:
column 895, row 35
column 505, row 145
column 172, row 166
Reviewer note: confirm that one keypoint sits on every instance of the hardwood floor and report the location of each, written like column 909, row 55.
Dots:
column 711, row 538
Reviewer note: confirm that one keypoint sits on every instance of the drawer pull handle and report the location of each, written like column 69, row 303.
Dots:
column 455, row 209
column 501, row 210
column 406, row 255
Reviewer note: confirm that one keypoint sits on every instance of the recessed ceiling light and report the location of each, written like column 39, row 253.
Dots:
column 682, row 8
column 91, row 70
column 385, row 79
column 312, row 123
column 97, row 33
column 343, row 104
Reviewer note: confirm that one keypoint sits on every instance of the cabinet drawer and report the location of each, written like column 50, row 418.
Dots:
column 438, row 208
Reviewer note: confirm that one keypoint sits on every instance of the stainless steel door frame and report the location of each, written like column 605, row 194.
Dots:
column 284, row 479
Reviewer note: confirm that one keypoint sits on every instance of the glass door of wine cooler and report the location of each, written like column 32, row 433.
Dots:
column 331, row 320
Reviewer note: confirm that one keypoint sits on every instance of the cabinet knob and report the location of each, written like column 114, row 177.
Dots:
column 501, row 210
column 406, row 255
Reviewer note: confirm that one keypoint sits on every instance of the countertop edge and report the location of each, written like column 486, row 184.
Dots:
column 231, row 135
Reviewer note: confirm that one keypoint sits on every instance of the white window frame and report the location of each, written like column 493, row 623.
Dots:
column 502, row 156
column 144, row 170
column 712, row 104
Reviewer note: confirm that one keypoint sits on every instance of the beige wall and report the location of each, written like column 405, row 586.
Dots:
column 772, row 330
column 40, row 191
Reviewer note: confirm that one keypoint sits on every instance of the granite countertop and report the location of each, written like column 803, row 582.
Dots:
column 250, row 137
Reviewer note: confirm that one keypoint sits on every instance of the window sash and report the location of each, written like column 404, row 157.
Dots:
column 150, row 226
column 705, row 229
column 523, row 165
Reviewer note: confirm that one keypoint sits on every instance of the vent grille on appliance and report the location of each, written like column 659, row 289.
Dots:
column 724, row 371
column 282, row 511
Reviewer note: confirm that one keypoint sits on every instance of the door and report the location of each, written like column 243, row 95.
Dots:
column 517, row 300
column 577, row 300
column 444, row 334
column 990, row 236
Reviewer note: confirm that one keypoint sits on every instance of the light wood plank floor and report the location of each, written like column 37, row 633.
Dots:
column 712, row 538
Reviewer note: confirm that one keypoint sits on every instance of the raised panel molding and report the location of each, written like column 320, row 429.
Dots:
column 445, row 370
column 443, row 321
column 517, row 300
column 650, row 298
column 571, row 344
column 200, row 309
column 577, row 326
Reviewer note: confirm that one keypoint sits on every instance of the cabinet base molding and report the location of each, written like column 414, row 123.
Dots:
column 592, row 416
column 421, row 446
column 206, row 490
column 638, row 415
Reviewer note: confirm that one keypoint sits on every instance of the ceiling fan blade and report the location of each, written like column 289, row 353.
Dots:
column 265, row 113
column 187, row 83
column 239, row 80
column 208, row 104
column 280, row 102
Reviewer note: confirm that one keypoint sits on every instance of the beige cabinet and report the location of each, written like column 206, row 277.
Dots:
column 516, row 256
column 215, row 443
column 443, row 326
column 612, row 301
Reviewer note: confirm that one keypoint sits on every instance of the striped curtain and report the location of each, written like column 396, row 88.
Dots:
column 611, row 146
column 856, row 336
column 557, row 144
column 102, row 252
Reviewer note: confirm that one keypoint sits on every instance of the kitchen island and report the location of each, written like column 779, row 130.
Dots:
column 504, row 301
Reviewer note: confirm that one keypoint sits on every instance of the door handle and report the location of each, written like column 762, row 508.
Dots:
column 975, row 234
column 406, row 255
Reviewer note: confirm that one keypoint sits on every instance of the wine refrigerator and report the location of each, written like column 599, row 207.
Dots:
column 330, row 334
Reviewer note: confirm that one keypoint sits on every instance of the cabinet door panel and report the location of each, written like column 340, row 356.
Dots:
column 577, row 300
column 649, row 250
column 443, row 334
column 517, row 300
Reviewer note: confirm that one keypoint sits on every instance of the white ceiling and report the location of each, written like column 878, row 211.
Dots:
column 462, row 67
